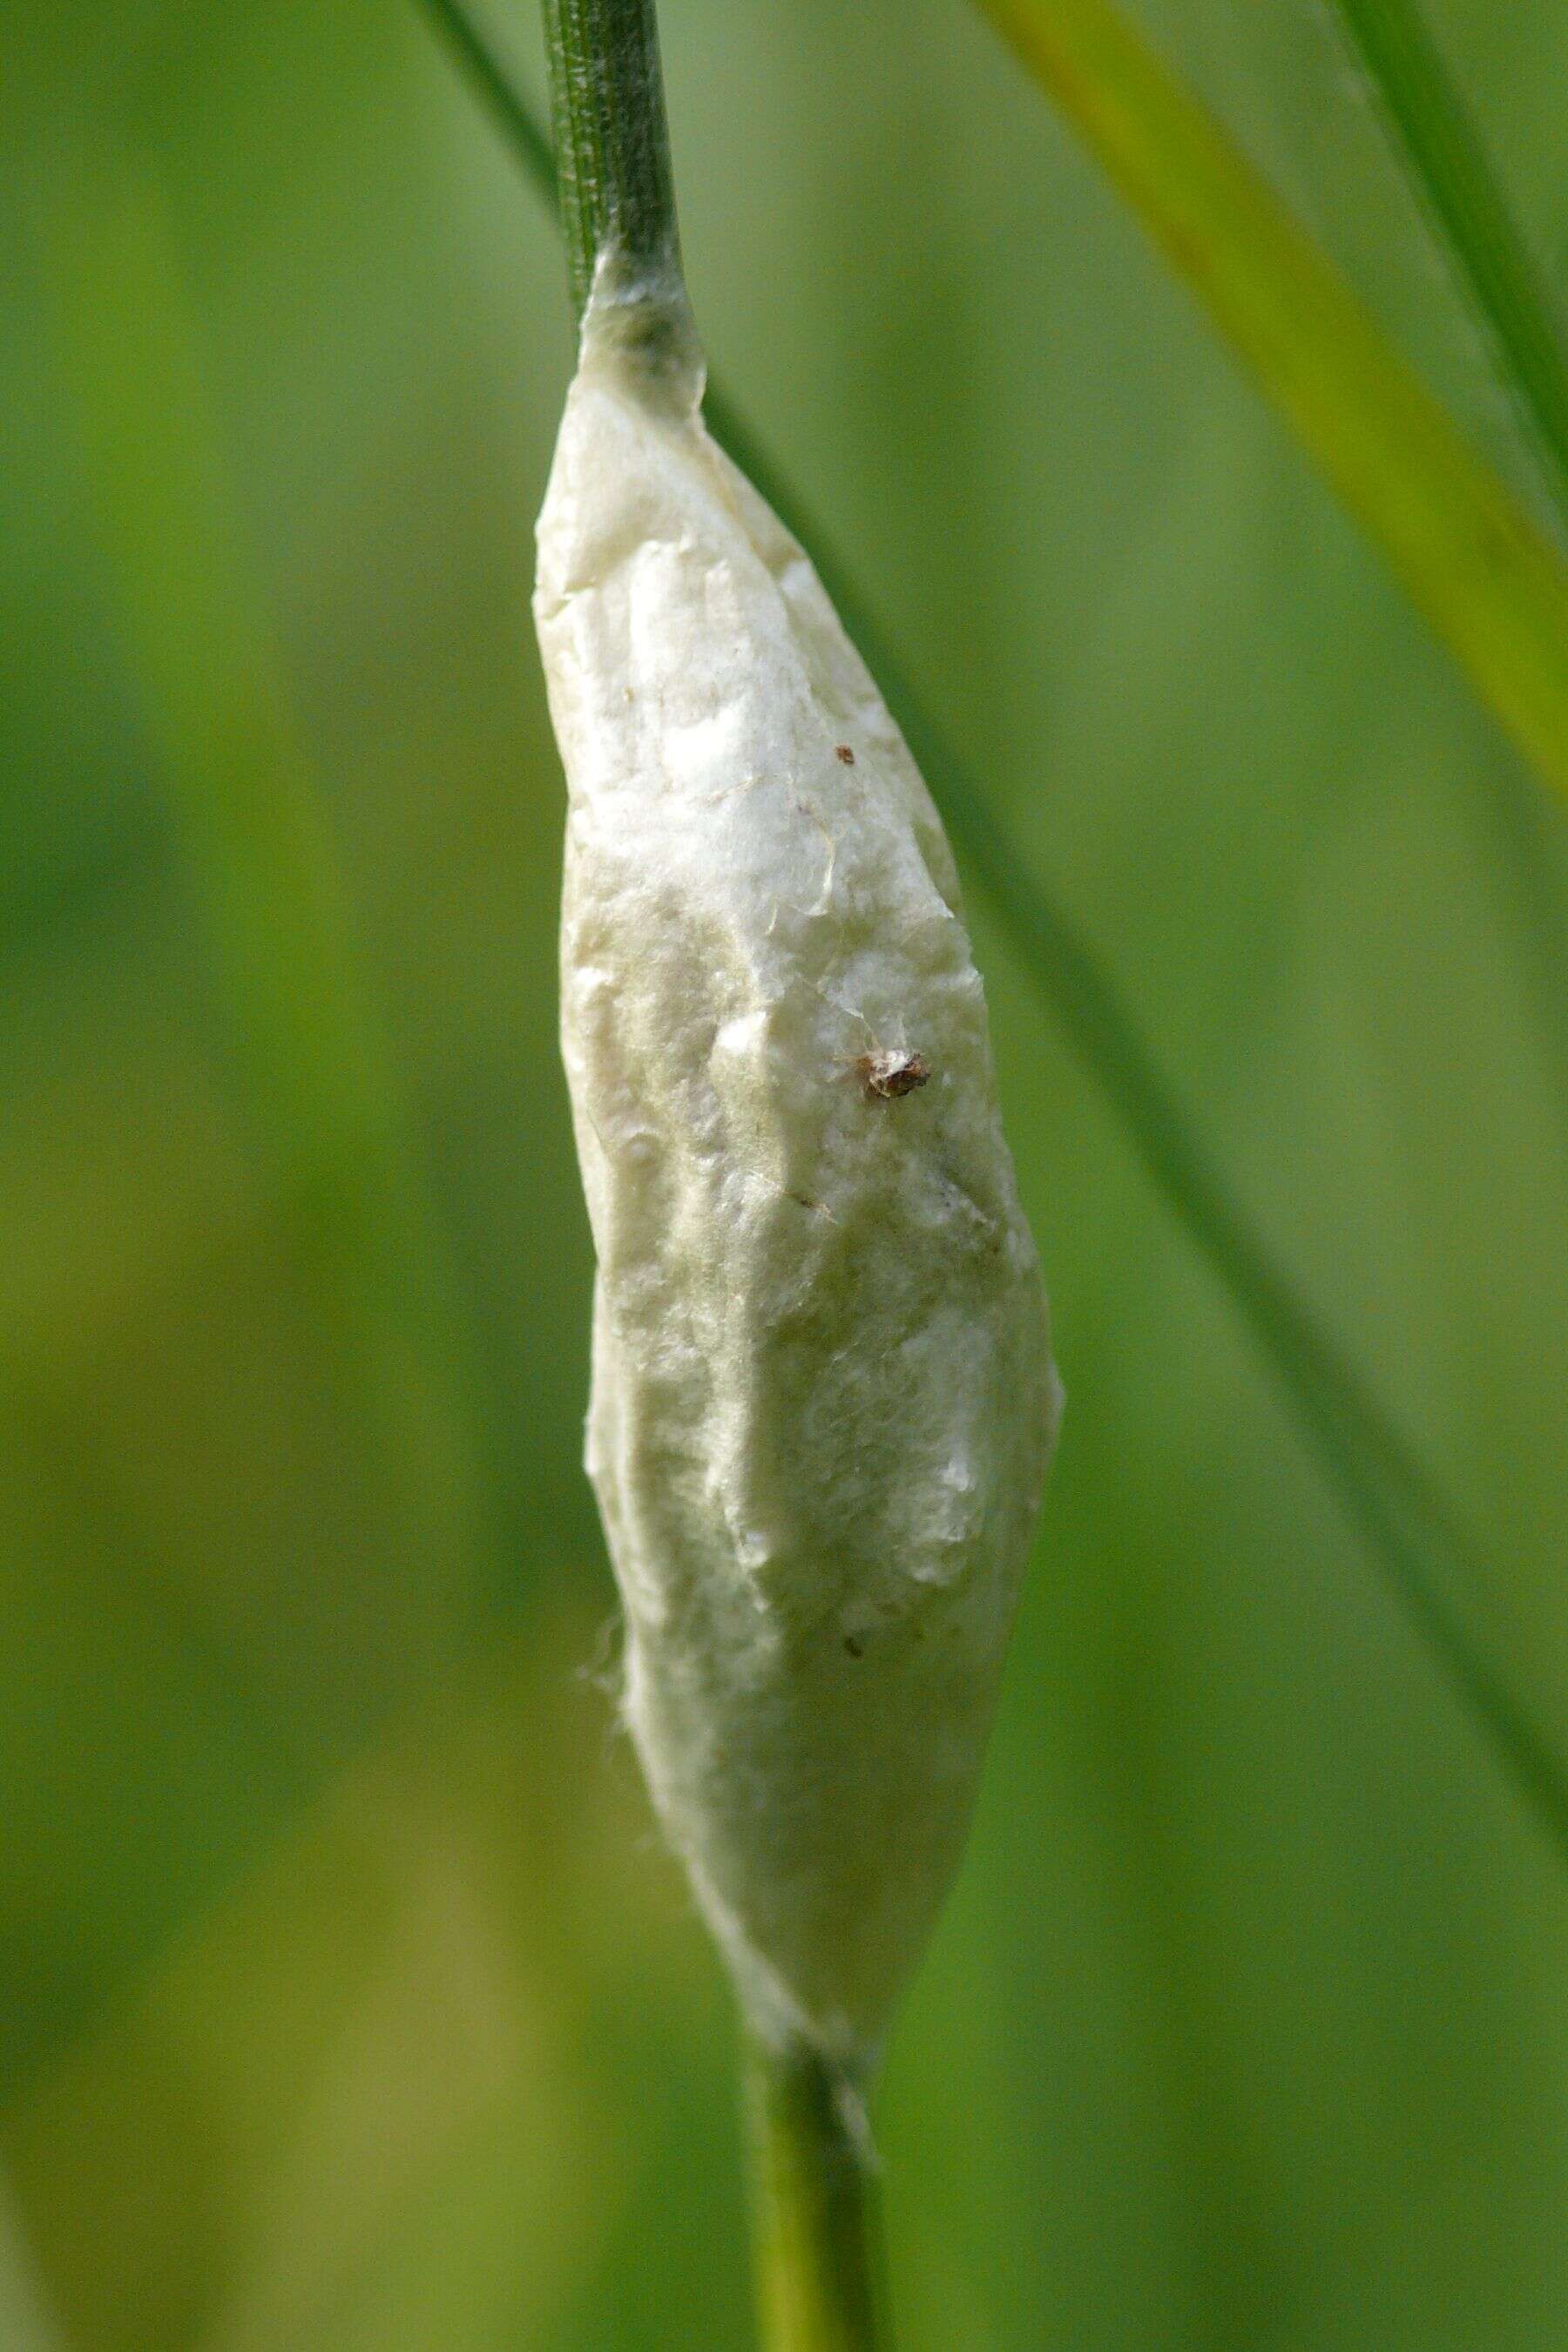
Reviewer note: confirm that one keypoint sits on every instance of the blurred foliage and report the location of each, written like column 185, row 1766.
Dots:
column 346, row 1999
column 1475, row 560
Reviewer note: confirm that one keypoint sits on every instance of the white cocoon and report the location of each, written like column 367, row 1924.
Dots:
column 823, row 1397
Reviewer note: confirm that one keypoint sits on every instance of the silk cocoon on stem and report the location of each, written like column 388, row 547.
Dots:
column 823, row 1397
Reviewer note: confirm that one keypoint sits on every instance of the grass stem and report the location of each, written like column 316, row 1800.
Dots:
column 617, row 193
column 818, row 2237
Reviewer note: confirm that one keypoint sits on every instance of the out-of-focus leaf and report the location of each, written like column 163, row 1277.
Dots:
column 1468, row 554
column 1463, row 197
column 25, row 2323
column 346, row 2112
column 250, row 820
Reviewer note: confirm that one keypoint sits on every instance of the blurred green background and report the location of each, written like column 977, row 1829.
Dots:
column 346, row 1997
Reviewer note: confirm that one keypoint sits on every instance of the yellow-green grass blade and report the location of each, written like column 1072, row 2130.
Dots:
column 1466, row 550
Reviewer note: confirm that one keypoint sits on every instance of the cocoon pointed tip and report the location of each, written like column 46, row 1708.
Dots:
column 823, row 1397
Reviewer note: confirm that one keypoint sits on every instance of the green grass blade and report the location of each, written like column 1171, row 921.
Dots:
column 1459, row 190
column 818, row 2258
column 1383, row 1491
column 1469, row 555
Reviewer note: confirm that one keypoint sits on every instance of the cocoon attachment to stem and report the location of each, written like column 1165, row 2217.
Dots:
column 823, row 1397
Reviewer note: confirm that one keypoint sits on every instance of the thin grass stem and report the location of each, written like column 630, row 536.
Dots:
column 817, row 2240
column 617, row 193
